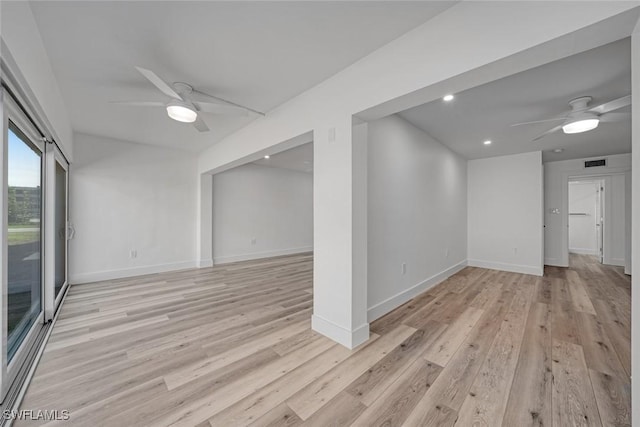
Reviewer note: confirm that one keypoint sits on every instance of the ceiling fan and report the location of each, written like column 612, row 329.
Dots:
column 187, row 104
column 583, row 118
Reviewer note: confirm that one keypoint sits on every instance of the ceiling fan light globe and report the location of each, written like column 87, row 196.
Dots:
column 181, row 113
column 580, row 126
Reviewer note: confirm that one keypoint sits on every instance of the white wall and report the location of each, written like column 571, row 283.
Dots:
column 583, row 199
column 556, row 178
column 615, row 239
column 413, row 69
column 23, row 47
column 505, row 213
column 125, row 197
column 417, row 213
column 274, row 206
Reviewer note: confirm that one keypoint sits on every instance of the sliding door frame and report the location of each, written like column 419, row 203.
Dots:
column 11, row 112
column 54, row 157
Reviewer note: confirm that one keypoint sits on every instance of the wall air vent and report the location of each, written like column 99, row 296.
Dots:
column 595, row 163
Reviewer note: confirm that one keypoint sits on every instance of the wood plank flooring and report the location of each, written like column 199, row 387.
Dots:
column 232, row 346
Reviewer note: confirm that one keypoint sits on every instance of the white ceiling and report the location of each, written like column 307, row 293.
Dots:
column 487, row 111
column 299, row 159
column 258, row 54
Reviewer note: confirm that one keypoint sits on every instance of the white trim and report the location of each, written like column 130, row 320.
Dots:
column 130, row 272
column 391, row 303
column 348, row 338
column 259, row 255
column 583, row 251
column 204, row 263
column 555, row 262
column 514, row 268
column 619, row 262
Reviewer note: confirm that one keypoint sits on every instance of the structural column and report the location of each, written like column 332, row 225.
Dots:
column 204, row 225
column 340, row 231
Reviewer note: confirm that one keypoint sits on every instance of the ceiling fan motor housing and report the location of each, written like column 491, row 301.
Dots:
column 579, row 107
column 183, row 88
column 580, row 104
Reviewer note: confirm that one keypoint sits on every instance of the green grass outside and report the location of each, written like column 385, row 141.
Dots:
column 20, row 237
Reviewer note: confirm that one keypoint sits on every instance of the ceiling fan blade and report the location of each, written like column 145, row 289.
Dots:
column 139, row 103
column 207, row 107
column 552, row 130
column 159, row 83
column 202, row 97
column 198, row 96
column 612, row 105
column 615, row 117
column 539, row 121
column 200, row 124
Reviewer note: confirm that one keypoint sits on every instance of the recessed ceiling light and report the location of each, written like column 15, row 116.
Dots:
column 487, row 142
column 447, row 98
column 266, row 157
column 580, row 126
column 558, row 150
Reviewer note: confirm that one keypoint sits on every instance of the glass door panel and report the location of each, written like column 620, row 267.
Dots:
column 24, row 236
column 60, row 228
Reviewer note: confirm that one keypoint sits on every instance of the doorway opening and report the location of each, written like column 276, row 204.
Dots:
column 586, row 217
column 598, row 217
column 264, row 208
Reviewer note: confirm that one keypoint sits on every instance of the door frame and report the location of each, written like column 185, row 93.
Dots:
column 604, row 176
column 598, row 185
column 53, row 157
column 11, row 111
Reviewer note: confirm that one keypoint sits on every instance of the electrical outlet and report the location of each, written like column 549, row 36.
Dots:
column 133, row 253
column 253, row 240
column 446, row 253
column 515, row 251
column 403, row 269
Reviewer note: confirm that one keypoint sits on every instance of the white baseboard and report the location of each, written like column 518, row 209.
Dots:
column 343, row 336
column 204, row 263
column 384, row 307
column 619, row 262
column 583, row 251
column 98, row 276
column 258, row 255
column 555, row 262
column 514, row 268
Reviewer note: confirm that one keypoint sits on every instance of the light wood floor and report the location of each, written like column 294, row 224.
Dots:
column 232, row 345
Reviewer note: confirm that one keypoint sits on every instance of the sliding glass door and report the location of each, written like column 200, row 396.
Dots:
column 33, row 245
column 24, row 237
column 59, row 174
